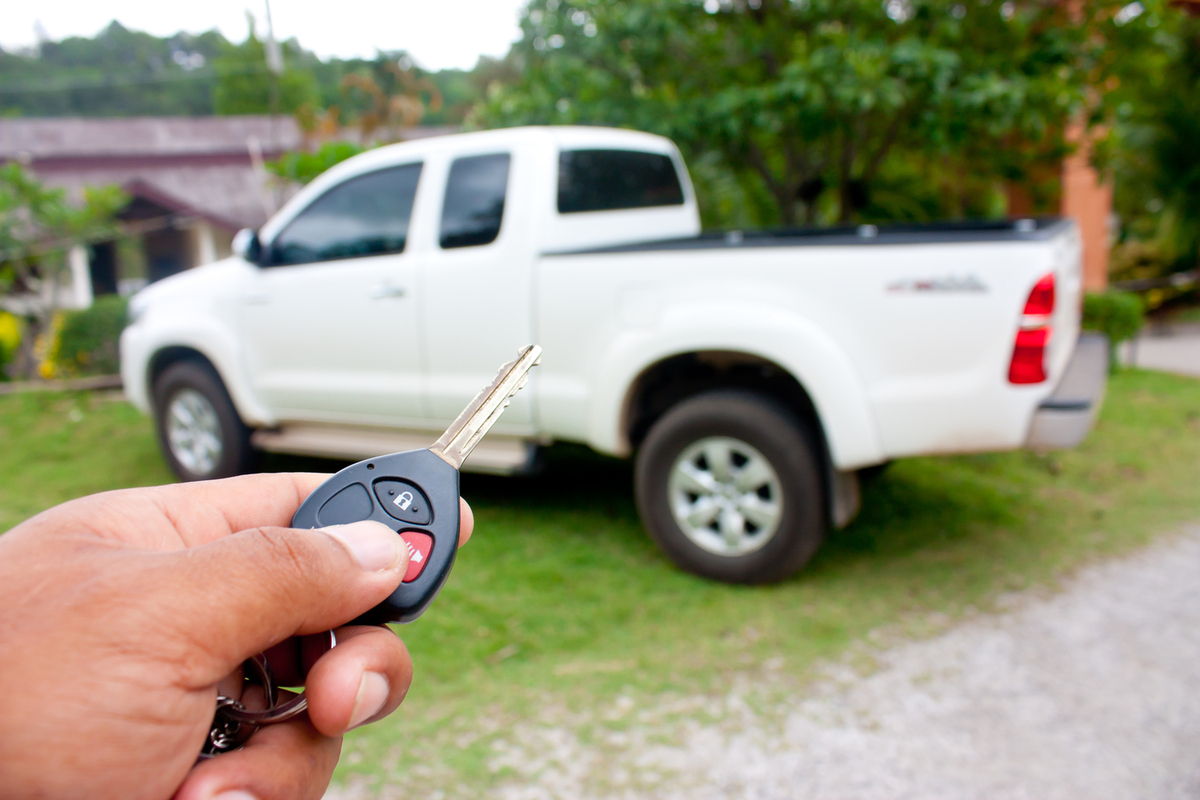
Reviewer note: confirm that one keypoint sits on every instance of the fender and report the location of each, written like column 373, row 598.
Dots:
column 794, row 343
column 208, row 337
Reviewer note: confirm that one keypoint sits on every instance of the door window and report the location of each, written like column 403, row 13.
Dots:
column 364, row 216
column 474, row 205
column 608, row 180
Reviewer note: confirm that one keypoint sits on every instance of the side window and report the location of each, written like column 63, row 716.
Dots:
column 474, row 204
column 364, row 216
column 608, row 180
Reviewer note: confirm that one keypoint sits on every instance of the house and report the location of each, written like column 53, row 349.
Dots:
column 193, row 183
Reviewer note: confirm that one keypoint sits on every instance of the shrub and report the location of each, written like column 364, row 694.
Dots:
column 302, row 167
column 1119, row 315
column 10, row 340
column 86, row 341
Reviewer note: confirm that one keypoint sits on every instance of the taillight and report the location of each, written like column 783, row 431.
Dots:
column 1041, row 298
column 1028, row 363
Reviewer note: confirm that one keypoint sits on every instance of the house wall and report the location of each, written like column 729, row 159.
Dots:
column 1088, row 200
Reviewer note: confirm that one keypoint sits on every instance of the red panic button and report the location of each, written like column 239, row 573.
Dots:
column 419, row 545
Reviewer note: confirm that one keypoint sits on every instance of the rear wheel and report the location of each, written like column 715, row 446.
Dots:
column 199, row 430
column 729, row 485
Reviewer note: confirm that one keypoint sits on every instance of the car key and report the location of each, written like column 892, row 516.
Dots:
column 415, row 493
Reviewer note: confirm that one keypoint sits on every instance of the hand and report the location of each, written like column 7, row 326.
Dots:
column 121, row 612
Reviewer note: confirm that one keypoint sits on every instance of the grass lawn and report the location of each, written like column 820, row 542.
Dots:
column 561, row 600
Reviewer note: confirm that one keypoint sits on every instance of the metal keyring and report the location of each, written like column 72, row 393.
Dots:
column 225, row 738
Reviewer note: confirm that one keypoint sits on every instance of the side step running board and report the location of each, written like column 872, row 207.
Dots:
column 501, row 455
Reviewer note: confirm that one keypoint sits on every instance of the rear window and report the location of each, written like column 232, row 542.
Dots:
column 474, row 204
column 607, row 180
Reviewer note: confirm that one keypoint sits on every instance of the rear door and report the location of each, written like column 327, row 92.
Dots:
column 330, row 321
column 476, row 288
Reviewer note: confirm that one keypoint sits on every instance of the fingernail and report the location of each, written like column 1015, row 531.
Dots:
column 236, row 794
column 372, row 694
column 375, row 546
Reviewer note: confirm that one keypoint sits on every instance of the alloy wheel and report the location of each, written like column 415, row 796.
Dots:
column 725, row 496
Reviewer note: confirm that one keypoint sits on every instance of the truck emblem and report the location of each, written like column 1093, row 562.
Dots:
column 950, row 283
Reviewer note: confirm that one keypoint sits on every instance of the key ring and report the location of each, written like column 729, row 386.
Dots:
column 233, row 724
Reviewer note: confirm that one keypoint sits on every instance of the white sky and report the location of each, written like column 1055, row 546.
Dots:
column 437, row 34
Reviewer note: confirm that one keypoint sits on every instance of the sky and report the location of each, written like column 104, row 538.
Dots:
column 439, row 35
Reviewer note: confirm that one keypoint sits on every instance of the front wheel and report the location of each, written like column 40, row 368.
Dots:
column 199, row 430
column 729, row 485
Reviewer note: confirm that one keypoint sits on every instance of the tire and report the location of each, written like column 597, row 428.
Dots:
column 200, row 433
column 781, row 508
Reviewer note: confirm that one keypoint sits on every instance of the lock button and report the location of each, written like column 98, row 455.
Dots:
column 403, row 500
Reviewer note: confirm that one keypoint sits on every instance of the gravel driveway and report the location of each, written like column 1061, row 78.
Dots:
column 1093, row 692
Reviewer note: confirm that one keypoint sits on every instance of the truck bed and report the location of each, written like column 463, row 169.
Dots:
column 903, row 341
column 953, row 232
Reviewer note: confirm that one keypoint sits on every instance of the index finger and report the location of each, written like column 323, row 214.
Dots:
column 166, row 517
column 207, row 510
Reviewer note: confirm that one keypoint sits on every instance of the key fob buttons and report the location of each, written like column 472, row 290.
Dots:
column 351, row 504
column 403, row 500
column 419, row 546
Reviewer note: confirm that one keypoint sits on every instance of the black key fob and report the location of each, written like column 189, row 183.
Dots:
column 414, row 493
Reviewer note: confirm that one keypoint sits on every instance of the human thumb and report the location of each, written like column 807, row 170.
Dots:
column 248, row 591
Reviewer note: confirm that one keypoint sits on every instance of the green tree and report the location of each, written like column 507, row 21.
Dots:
column 805, row 102
column 244, row 82
column 301, row 167
column 1154, row 148
column 119, row 72
column 38, row 226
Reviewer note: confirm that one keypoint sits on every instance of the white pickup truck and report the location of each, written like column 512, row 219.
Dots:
column 751, row 374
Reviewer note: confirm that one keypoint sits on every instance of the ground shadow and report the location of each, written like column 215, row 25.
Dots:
column 916, row 505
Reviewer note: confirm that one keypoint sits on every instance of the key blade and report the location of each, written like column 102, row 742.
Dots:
column 481, row 413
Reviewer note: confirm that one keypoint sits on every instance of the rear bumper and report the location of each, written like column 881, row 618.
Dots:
column 1066, row 416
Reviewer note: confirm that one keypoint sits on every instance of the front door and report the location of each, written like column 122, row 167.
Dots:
column 329, row 321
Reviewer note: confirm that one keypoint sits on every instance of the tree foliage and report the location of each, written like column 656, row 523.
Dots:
column 1153, row 149
column 119, row 72
column 37, row 227
column 245, row 84
column 807, row 101
column 302, row 166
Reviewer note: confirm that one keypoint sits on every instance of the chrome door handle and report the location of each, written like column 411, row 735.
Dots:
column 386, row 290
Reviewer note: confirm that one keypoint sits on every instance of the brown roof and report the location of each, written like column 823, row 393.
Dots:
column 57, row 137
column 204, row 166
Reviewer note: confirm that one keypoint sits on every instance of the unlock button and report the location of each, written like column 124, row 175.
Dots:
column 403, row 501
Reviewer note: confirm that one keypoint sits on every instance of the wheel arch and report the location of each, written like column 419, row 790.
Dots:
column 808, row 366
column 674, row 378
column 226, row 451
column 223, row 360
column 173, row 354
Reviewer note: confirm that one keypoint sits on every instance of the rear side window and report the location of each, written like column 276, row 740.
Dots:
column 474, row 205
column 364, row 216
column 607, row 180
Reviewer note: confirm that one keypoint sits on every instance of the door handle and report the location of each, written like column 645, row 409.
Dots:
column 386, row 290
column 257, row 299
